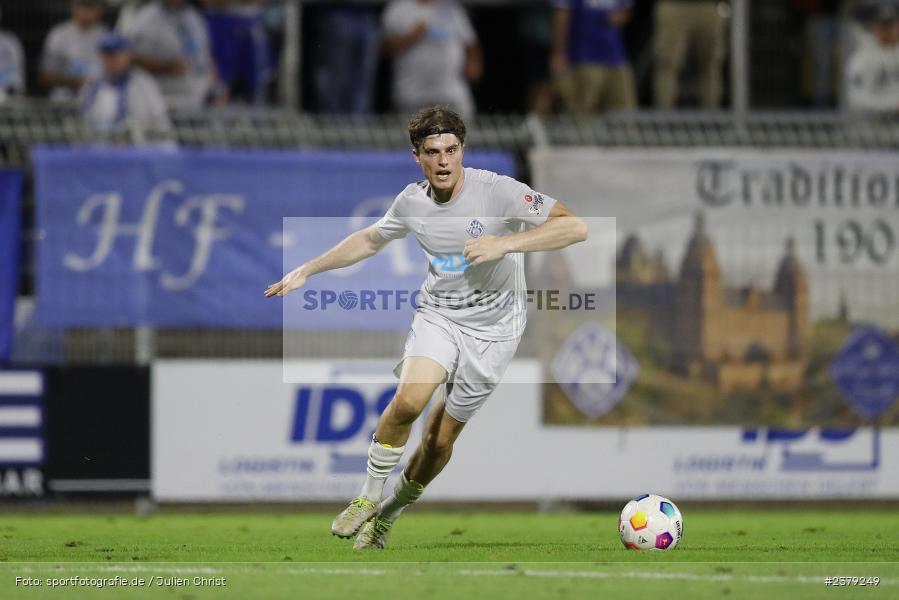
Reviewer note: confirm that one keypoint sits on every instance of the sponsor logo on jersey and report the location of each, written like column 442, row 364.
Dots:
column 449, row 263
column 528, row 198
column 536, row 206
column 475, row 228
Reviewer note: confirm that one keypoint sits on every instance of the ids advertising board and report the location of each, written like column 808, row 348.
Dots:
column 234, row 432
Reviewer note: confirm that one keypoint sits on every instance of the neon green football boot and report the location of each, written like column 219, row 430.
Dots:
column 354, row 516
column 373, row 535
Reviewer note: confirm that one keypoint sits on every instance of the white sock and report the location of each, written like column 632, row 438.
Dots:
column 382, row 459
column 405, row 493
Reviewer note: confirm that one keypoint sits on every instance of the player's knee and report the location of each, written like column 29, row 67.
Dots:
column 437, row 445
column 404, row 408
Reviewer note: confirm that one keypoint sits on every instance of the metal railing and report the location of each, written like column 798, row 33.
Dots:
column 25, row 124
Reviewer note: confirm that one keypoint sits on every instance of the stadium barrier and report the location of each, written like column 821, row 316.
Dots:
column 27, row 123
column 250, row 437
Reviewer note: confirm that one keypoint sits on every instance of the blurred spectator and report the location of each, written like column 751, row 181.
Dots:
column 822, row 32
column 436, row 53
column 240, row 47
column 872, row 73
column 535, row 29
column 682, row 26
column 346, row 58
column 70, row 55
column 12, row 65
column 588, row 57
column 170, row 40
column 123, row 94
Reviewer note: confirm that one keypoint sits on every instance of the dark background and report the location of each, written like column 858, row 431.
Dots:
column 775, row 51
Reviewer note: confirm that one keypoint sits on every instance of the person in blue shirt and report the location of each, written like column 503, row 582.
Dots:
column 240, row 48
column 346, row 58
column 588, row 59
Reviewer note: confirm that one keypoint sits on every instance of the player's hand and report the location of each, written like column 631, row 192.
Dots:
column 292, row 281
column 484, row 249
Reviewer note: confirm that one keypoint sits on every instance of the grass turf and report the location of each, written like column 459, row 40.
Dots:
column 752, row 554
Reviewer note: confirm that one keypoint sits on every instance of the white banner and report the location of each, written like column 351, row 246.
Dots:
column 839, row 208
column 232, row 431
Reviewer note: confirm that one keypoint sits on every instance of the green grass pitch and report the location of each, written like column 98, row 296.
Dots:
column 760, row 553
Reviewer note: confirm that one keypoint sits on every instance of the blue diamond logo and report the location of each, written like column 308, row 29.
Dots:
column 866, row 371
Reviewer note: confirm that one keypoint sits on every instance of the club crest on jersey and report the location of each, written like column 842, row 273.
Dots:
column 536, row 205
column 475, row 228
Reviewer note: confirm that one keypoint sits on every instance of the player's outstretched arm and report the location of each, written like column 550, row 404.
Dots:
column 355, row 247
column 561, row 229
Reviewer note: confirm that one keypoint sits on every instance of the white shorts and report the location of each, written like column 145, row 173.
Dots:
column 474, row 367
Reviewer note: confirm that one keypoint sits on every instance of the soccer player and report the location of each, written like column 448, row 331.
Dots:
column 474, row 226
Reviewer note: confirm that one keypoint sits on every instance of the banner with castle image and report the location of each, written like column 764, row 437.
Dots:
column 744, row 281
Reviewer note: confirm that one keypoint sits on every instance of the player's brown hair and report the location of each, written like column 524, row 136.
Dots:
column 435, row 120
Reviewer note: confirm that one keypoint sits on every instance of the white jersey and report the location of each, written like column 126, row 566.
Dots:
column 486, row 301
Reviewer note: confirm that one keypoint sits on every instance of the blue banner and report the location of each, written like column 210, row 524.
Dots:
column 866, row 371
column 181, row 238
column 10, row 223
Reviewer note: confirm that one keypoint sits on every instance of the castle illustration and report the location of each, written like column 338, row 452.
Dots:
column 737, row 338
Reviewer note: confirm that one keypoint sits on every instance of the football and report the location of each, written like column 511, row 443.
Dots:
column 650, row 522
